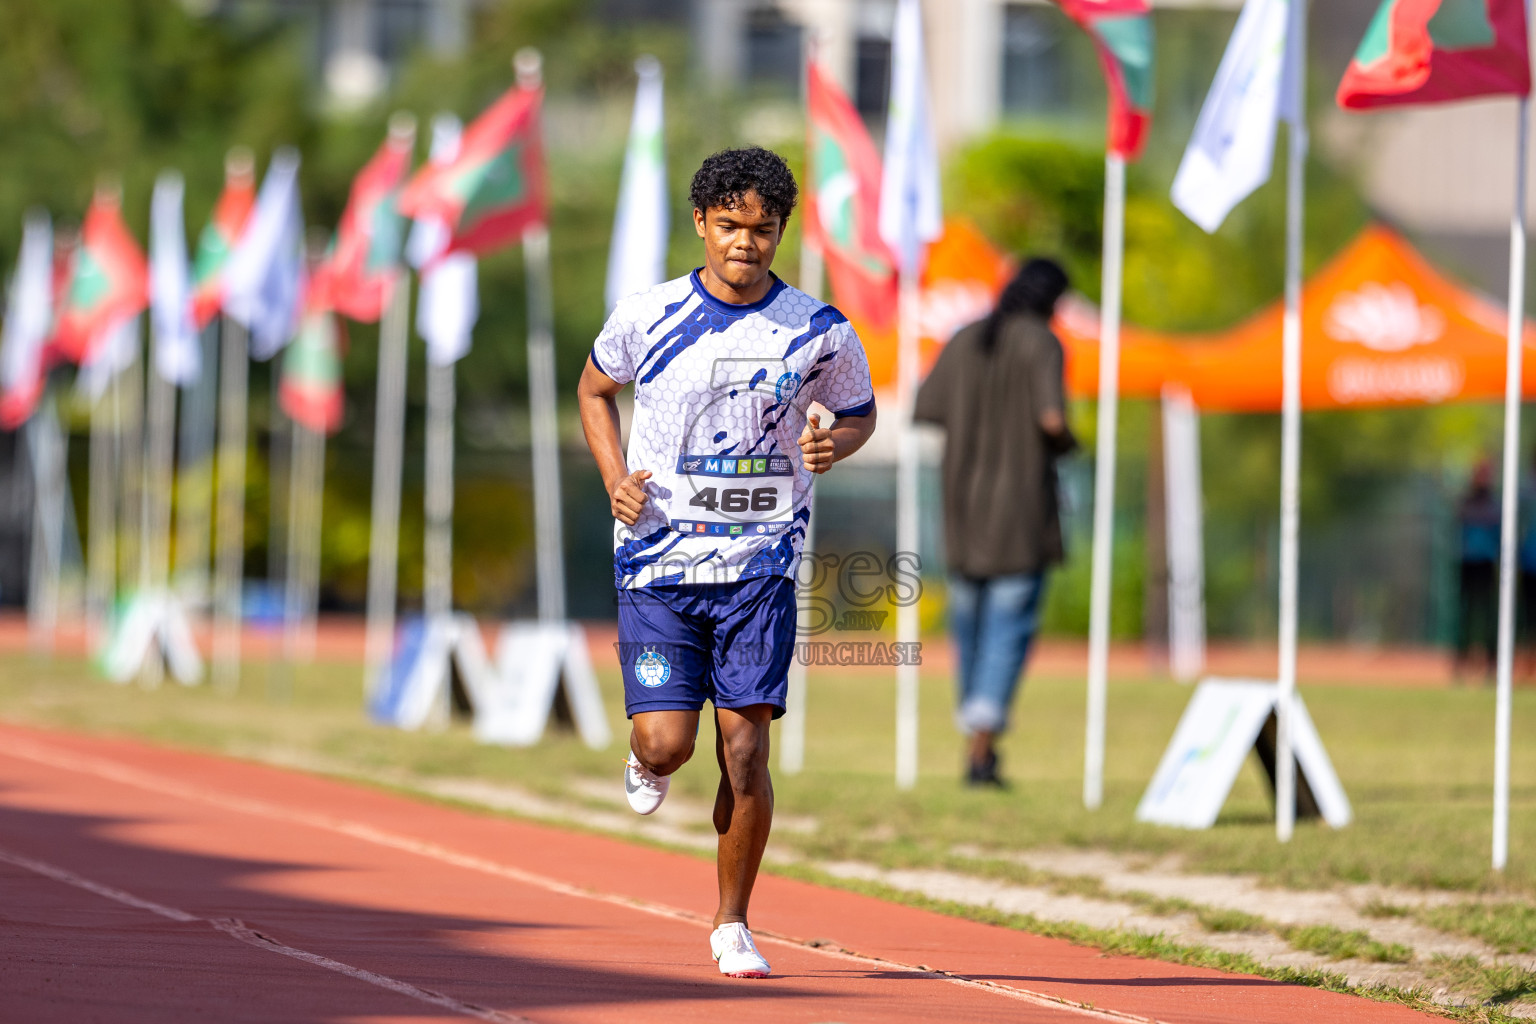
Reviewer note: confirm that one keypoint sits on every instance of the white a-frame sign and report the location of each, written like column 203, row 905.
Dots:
column 512, row 699
column 1225, row 720
column 154, row 624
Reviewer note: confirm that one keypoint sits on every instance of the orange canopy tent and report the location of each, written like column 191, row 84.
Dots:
column 1381, row 327
column 961, row 282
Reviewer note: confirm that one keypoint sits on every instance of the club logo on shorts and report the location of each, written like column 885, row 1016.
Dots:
column 787, row 387
column 652, row 669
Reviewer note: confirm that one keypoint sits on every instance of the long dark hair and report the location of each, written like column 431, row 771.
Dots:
column 1036, row 288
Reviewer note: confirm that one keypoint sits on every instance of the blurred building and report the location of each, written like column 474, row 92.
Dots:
column 357, row 43
column 988, row 59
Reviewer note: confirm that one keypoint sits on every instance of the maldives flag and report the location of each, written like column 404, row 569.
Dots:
column 1432, row 51
column 495, row 188
column 311, row 388
column 218, row 239
column 842, row 208
column 363, row 264
column 108, row 282
column 1122, row 33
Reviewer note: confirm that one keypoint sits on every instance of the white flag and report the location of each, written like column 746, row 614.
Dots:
column 449, row 300
column 264, row 279
column 637, row 256
column 910, row 215
column 28, row 317
column 178, row 354
column 1233, row 146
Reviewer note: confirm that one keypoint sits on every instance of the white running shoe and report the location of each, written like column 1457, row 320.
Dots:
column 736, row 953
column 645, row 789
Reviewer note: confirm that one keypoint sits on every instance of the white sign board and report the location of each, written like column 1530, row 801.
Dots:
column 533, row 660
column 416, row 688
column 1222, row 723
column 153, row 625
column 512, row 699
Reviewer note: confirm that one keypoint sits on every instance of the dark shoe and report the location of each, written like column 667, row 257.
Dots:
column 984, row 772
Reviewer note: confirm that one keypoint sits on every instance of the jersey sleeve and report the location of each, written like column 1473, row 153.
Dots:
column 844, row 386
column 613, row 353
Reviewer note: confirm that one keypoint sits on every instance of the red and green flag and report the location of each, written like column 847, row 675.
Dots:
column 495, row 188
column 1122, row 34
column 1433, row 51
column 842, row 210
column 364, row 261
column 108, row 282
column 218, row 240
column 311, row 388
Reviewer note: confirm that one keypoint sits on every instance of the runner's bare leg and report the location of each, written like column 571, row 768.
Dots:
column 743, row 805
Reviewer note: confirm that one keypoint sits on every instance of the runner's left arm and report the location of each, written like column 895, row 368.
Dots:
column 842, row 385
column 821, row 446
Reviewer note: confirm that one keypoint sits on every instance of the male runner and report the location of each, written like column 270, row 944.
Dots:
column 712, row 501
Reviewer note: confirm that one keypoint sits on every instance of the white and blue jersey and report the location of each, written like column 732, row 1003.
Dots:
column 721, row 393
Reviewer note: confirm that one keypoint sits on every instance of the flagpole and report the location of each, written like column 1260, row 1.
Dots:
column 1290, row 431
column 388, row 453
column 46, row 445
column 101, row 555
column 437, row 573
column 907, row 538
column 1104, row 478
column 194, row 480
column 282, row 455
column 541, row 394
column 301, row 577
column 792, row 728
column 135, row 500
column 158, row 473
column 1512, row 389
column 229, row 568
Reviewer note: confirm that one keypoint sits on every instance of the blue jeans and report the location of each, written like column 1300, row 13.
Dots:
column 993, row 622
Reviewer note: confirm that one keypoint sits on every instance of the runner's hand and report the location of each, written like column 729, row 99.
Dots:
column 627, row 498
column 816, row 445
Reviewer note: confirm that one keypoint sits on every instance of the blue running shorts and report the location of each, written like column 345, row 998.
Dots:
column 728, row 643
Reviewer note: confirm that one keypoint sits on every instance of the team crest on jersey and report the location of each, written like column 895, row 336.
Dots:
column 787, row 386
column 652, row 669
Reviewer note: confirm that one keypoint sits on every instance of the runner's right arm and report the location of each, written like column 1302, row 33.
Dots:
column 596, row 396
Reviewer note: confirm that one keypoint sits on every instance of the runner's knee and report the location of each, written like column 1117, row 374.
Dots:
column 746, row 758
column 663, row 751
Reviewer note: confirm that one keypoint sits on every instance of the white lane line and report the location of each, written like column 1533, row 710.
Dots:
column 117, row 772
column 244, row 933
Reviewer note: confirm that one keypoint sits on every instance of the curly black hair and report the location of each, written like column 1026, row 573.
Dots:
column 725, row 178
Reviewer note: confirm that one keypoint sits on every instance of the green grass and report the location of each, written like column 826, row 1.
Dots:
column 1508, row 926
column 1497, row 985
column 1338, row 944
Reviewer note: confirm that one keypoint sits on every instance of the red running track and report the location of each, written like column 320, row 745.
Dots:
column 143, row 884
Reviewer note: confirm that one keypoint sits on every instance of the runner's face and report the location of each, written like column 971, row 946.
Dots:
column 740, row 242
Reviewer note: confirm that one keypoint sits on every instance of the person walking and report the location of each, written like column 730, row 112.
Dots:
column 997, row 391
column 1478, row 521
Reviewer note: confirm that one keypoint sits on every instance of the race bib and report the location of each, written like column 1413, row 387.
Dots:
column 725, row 496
